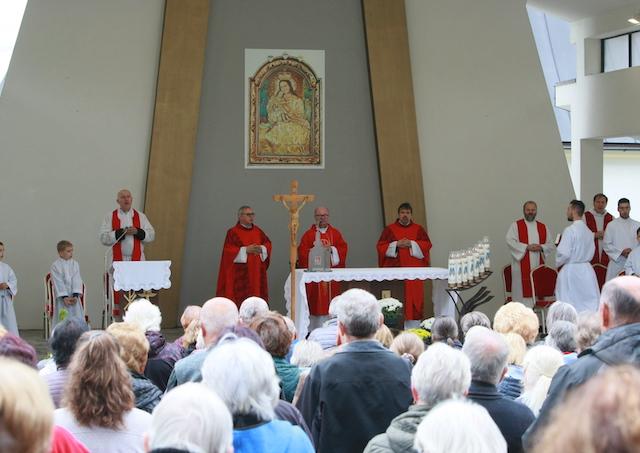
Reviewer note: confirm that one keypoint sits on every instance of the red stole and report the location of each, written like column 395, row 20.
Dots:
column 319, row 295
column 599, row 257
column 117, row 248
column 525, row 262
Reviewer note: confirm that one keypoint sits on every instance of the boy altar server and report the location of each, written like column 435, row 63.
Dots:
column 67, row 284
column 8, row 289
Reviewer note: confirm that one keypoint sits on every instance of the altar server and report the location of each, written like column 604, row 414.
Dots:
column 530, row 244
column 8, row 289
column 620, row 239
column 67, row 284
column 245, row 258
column 597, row 220
column 406, row 244
column 320, row 294
column 577, row 283
column 632, row 265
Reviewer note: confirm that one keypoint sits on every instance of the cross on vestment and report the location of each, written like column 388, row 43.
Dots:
column 294, row 203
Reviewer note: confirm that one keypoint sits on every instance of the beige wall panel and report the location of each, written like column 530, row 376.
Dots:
column 173, row 138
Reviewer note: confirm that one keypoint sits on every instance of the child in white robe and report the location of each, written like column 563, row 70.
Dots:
column 67, row 284
column 632, row 265
column 8, row 289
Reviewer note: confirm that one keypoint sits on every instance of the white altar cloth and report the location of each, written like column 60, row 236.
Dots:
column 442, row 303
column 141, row 275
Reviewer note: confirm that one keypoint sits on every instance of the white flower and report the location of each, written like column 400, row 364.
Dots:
column 390, row 305
column 427, row 323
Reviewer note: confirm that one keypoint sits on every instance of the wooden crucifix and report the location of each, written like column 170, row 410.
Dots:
column 294, row 203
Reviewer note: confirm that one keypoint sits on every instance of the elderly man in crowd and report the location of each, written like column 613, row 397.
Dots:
column 327, row 335
column 216, row 315
column 441, row 373
column 618, row 344
column 252, row 308
column 354, row 395
column 488, row 351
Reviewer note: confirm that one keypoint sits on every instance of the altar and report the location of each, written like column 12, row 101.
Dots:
column 442, row 303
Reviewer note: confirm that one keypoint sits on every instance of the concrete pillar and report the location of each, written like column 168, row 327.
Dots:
column 586, row 167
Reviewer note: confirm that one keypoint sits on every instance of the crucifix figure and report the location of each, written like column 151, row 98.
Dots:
column 294, row 203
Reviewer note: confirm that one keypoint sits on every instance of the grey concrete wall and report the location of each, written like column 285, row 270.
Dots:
column 348, row 185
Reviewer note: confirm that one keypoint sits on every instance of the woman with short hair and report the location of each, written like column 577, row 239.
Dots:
column 99, row 399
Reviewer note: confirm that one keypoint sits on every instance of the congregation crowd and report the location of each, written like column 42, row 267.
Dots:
column 239, row 380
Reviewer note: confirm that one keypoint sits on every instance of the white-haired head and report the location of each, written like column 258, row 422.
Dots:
column 143, row 314
column 562, row 336
column 251, row 308
column 333, row 307
column 459, row 426
column 561, row 311
column 243, row 375
column 440, row 373
column 191, row 417
column 216, row 315
column 359, row 314
column 488, row 352
column 540, row 365
column 306, row 353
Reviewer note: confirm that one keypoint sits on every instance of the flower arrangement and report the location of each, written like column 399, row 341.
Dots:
column 392, row 309
column 426, row 324
column 423, row 334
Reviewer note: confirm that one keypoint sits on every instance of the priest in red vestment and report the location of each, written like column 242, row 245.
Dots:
column 406, row 244
column 320, row 294
column 597, row 220
column 245, row 259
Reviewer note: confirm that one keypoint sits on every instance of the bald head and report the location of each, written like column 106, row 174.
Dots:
column 216, row 315
column 620, row 301
column 124, row 199
column 321, row 214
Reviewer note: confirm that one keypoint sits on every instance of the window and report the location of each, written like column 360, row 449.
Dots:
column 11, row 12
column 620, row 52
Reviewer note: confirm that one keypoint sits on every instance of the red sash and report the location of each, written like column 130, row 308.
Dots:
column 599, row 256
column 525, row 263
column 117, row 248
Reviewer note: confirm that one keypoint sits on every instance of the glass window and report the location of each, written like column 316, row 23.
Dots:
column 616, row 53
column 635, row 49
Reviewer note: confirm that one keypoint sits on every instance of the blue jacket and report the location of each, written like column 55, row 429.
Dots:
column 276, row 436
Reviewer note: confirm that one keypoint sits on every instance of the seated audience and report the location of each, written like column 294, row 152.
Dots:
column 15, row 347
column 327, row 335
column 98, row 400
column 216, row 315
column 441, row 373
column 517, row 318
column 588, row 329
column 276, row 337
column 445, row 329
column 488, row 352
column 474, row 318
column 191, row 418
column 459, row 426
column 305, row 354
column 511, row 384
column 63, row 344
column 147, row 317
column 562, row 336
column 603, row 416
column 540, row 365
column 408, row 345
column 620, row 314
column 244, row 377
column 561, row 311
column 384, row 336
column 294, row 336
column 251, row 308
column 26, row 411
column 190, row 322
column 134, row 348
column 352, row 396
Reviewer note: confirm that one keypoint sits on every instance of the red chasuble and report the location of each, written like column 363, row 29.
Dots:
column 320, row 294
column 600, row 256
column 237, row 281
column 117, row 248
column 413, row 289
column 525, row 262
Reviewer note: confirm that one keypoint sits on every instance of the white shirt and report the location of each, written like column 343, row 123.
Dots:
column 108, row 236
column 65, row 275
column 632, row 265
column 9, row 277
column 620, row 234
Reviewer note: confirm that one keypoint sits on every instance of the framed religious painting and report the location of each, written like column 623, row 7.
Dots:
column 284, row 113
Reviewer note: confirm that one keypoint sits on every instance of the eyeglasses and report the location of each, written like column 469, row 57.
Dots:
column 249, row 213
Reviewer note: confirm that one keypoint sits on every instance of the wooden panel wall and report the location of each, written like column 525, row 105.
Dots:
column 393, row 107
column 173, row 140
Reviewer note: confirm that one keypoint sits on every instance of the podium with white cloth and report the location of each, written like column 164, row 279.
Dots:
column 442, row 304
column 140, row 279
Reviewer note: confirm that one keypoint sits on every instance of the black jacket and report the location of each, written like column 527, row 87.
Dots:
column 614, row 347
column 353, row 396
column 512, row 418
